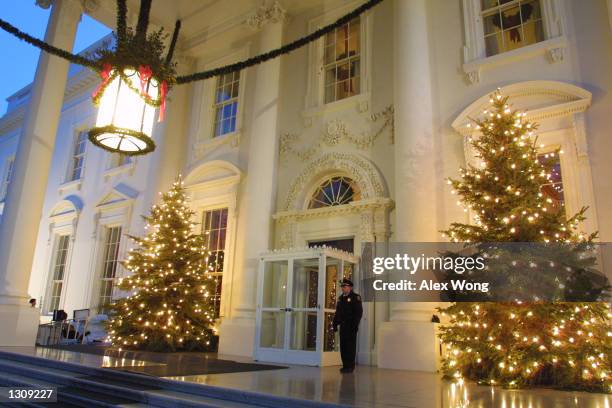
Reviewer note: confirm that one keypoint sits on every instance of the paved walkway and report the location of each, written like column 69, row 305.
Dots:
column 367, row 387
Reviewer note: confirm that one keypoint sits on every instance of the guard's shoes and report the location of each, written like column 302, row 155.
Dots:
column 346, row 370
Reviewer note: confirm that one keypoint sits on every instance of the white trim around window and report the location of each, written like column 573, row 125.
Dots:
column 63, row 221
column 7, row 175
column 205, row 194
column 553, row 46
column 560, row 114
column 201, row 128
column 114, row 210
column 315, row 86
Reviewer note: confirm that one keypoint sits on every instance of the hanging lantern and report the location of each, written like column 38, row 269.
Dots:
column 136, row 78
column 126, row 113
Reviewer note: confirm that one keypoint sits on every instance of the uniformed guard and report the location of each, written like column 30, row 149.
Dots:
column 348, row 314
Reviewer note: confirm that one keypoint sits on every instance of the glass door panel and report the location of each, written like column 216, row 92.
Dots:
column 274, row 304
column 303, row 334
column 275, row 285
column 304, row 303
column 305, row 285
column 330, row 338
column 272, row 330
column 333, row 275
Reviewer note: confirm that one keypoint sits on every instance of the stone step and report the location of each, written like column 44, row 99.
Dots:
column 137, row 388
column 86, row 391
column 68, row 397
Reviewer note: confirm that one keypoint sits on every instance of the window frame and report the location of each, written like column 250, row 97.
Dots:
column 500, row 8
column 475, row 59
column 221, row 105
column 315, row 84
column 356, row 194
column 57, row 240
column 349, row 59
column 113, row 210
column 100, row 273
column 73, row 155
column 201, row 127
column 203, row 230
column 7, row 176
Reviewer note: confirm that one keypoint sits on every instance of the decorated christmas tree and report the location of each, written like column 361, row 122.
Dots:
column 521, row 343
column 169, row 304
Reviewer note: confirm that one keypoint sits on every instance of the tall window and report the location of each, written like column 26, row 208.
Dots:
column 110, row 261
column 60, row 259
column 511, row 24
column 341, row 62
column 553, row 188
column 214, row 227
column 334, row 191
column 226, row 103
column 7, row 177
column 78, row 156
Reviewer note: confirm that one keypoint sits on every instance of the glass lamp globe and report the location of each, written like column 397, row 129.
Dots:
column 125, row 120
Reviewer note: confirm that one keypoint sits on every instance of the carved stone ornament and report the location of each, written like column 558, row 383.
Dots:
column 266, row 13
column 337, row 131
column 556, row 54
column 360, row 169
column 473, row 77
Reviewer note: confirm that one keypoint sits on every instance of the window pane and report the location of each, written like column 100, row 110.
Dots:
column 553, row 189
column 511, row 24
column 226, row 104
column 335, row 191
column 341, row 59
column 110, row 264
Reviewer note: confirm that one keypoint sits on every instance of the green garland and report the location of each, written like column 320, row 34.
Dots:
column 133, row 54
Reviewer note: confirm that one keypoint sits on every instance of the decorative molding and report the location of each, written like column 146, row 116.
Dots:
column 127, row 168
column 473, row 77
column 44, row 4
column 265, row 14
column 553, row 49
column 556, row 54
column 335, row 132
column 474, row 51
column 371, row 206
column 90, row 6
column 310, row 252
column 567, row 99
column 202, row 149
column 361, row 170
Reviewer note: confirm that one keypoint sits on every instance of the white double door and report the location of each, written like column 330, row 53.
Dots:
column 296, row 305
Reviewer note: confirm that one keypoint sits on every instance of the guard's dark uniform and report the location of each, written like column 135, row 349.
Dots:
column 348, row 314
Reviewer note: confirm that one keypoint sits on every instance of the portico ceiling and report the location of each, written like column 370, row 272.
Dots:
column 207, row 25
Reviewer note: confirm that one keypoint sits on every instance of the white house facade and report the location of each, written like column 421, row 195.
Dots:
column 345, row 141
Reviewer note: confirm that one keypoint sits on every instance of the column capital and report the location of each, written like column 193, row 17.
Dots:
column 45, row 4
column 265, row 14
column 87, row 6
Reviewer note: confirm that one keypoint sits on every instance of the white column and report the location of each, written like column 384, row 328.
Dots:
column 24, row 202
column 415, row 181
column 257, row 200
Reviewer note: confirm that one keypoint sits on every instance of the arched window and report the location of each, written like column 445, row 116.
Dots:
column 334, row 191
